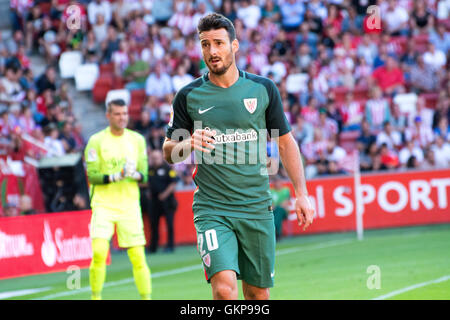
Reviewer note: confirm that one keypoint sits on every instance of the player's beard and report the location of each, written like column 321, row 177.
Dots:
column 226, row 64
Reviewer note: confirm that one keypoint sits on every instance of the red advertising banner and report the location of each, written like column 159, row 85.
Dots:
column 53, row 242
column 389, row 200
column 44, row 243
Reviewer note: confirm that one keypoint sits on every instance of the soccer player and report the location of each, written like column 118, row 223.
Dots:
column 116, row 160
column 231, row 109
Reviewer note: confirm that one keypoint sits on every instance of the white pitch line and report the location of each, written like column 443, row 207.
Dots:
column 185, row 269
column 319, row 246
column 413, row 287
column 121, row 282
column 23, row 292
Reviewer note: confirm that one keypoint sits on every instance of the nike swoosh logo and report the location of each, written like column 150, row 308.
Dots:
column 203, row 111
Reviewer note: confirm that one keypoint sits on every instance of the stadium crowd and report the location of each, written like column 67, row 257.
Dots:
column 344, row 86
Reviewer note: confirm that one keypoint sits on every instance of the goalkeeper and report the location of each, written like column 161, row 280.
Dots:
column 116, row 160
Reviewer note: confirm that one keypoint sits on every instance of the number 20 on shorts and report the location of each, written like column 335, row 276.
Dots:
column 211, row 241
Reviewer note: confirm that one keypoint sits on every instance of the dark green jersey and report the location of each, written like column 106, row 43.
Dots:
column 232, row 180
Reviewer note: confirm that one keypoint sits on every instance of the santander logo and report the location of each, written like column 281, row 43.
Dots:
column 57, row 249
column 48, row 248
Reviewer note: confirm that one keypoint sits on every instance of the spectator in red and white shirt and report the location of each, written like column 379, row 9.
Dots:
column 420, row 133
column 313, row 152
column 310, row 112
column 352, row 113
column 183, row 19
column 257, row 58
column 120, row 58
column 377, row 110
column 328, row 126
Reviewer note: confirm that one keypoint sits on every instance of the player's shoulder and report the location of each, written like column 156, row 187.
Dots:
column 185, row 90
column 266, row 82
column 99, row 135
column 134, row 134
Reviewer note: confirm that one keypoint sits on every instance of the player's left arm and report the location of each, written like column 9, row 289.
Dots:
column 292, row 162
column 142, row 164
column 279, row 129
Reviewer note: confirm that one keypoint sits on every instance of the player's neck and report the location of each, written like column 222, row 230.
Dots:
column 116, row 132
column 227, row 79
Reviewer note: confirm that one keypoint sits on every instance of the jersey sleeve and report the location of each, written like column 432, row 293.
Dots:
column 179, row 119
column 92, row 158
column 275, row 117
column 142, row 165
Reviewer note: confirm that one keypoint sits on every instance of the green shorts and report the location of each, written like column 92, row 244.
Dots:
column 246, row 246
column 129, row 225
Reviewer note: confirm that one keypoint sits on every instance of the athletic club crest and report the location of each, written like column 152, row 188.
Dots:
column 250, row 104
column 207, row 260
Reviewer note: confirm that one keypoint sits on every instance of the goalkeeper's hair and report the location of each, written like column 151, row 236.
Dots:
column 115, row 102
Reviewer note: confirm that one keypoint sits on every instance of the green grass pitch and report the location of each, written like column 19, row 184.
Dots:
column 413, row 263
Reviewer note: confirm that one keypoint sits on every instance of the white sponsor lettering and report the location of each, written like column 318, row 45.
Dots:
column 14, row 246
column 417, row 193
column 420, row 193
column 347, row 203
column 441, row 185
column 64, row 250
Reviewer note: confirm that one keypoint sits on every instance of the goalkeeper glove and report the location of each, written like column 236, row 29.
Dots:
column 115, row 177
column 130, row 170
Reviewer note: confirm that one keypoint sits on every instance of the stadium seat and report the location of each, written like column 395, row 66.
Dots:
column 347, row 140
column 400, row 43
column 339, row 94
column 86, row 76
column 421, row 41
column 69, row 61
column 107, row 68
column 138, row 98
column 361, row 93
column 103, row 84
column 431, row 99
column 119, row 82
column 295, row 83
column 45, row 7
column 407, row 102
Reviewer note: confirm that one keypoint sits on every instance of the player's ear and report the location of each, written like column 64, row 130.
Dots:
column 235, row 45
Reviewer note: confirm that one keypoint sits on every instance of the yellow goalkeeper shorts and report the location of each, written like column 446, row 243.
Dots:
column 129, row 225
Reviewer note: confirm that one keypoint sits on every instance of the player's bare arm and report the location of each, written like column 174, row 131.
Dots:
column 177, row 151
column 290, row 157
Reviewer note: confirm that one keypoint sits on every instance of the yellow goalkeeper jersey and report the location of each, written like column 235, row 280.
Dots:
column 107, row 154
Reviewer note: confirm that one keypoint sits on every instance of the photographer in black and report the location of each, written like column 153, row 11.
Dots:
column 162, row 180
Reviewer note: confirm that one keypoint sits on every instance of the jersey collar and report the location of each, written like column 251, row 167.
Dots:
column 205, row 76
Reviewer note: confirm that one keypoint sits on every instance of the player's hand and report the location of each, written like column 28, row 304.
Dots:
column 304, row 211
column 203, row 140
column 129, row 170
column 115, row 177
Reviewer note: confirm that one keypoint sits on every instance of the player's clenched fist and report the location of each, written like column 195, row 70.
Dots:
column 203, row 140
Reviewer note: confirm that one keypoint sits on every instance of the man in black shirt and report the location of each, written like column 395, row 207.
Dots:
column 162, row 182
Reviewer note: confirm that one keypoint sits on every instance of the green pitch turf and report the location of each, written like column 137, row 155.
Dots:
column 413, row 263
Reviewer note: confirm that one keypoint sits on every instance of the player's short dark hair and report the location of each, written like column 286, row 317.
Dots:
column 115, row 102
column 215, row 21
